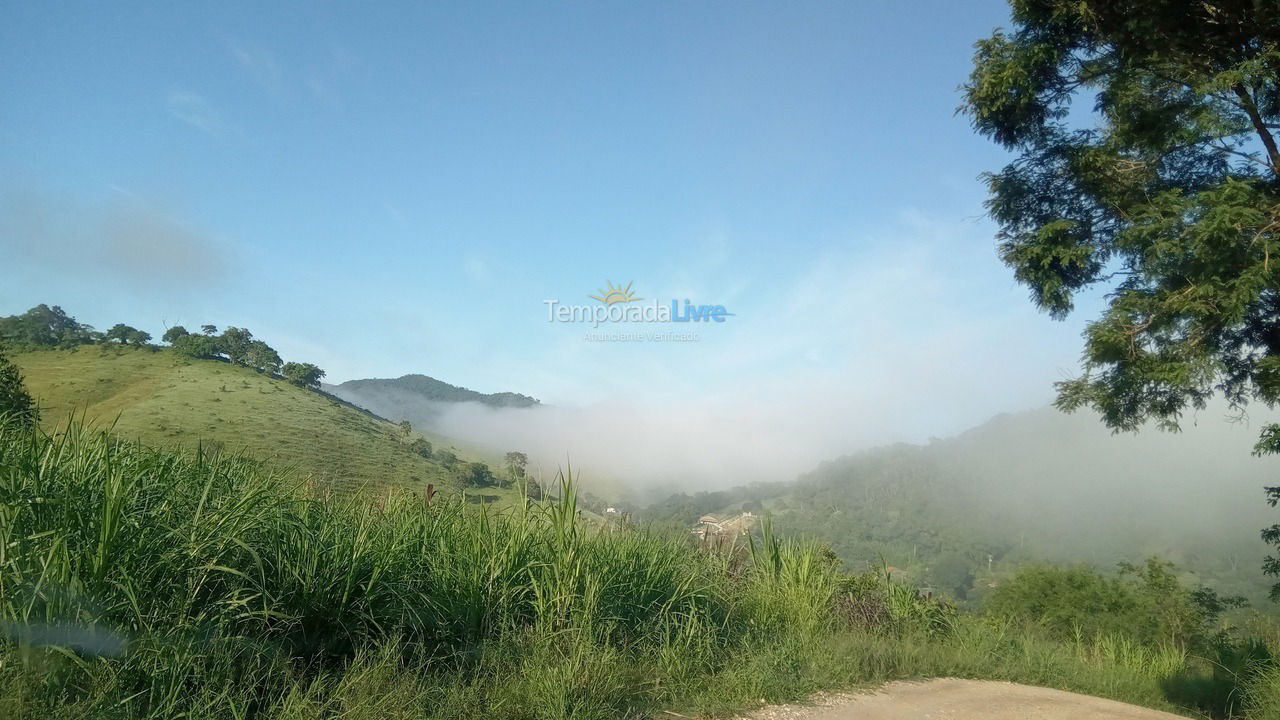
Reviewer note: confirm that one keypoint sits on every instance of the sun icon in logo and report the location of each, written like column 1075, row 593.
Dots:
column 610, row 294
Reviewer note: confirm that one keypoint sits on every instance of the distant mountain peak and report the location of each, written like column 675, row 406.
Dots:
column 429, row 388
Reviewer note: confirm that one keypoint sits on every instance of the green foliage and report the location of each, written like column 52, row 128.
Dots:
column 261, row 357
column 200, row 582
column 235, row 343
column 476, row 474
column 953, row 573
column 421, row 446
column 1146, row 602
column 44, row 326
column 302, row 374
column 143, row 583
column 16, row 404
column 532, row 489
column 1171, row 202
column 172, row 334
column 119, row 332
column 957, row 515
column 515, row 464
column 127, row 335
column 197, row 346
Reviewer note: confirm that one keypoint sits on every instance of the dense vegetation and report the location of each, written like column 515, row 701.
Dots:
column 1167, row 197
column 959, row 515
column 138, row 582
column 15, row 402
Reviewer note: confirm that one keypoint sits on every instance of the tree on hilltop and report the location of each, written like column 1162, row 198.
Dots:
column 261, row 357
column 197, row 346
column 302, row 374
column 172, row 334
column 45, row 326
column 234, row 343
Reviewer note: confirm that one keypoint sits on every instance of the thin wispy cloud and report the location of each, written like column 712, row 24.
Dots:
column 312, row 78
column 196, row 110
column 261, row 66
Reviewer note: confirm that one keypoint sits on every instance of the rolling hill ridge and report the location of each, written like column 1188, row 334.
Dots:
column 161, row 397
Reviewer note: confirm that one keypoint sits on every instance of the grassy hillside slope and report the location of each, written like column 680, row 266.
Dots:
column 160, row 397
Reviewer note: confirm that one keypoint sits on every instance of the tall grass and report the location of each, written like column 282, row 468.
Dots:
column 145, row 583
column 207, row 573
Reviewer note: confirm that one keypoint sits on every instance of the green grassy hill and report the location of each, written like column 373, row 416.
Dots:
column 158, row 396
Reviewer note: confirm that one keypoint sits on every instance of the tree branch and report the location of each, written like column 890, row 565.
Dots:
column 1269, row 142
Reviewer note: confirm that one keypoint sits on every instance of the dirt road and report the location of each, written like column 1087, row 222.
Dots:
column 951, row 699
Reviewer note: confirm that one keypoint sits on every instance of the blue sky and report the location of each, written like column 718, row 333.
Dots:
column 397, row 188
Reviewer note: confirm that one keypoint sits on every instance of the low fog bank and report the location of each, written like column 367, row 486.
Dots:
column 1156, row 489
column 649, row 450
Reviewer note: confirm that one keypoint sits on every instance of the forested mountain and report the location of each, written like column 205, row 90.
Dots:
column 429, row 388
column 954, row 514
column 419, row 398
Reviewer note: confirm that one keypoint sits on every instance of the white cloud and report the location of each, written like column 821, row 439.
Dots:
column 195, row 110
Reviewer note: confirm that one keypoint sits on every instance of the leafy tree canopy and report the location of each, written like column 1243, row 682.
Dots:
column 1145, row 601
column 515, row 463
column 45, row 326
column 262, row 357
column 302, row 374
column 476, row 474
column 235, row 344
column 172, row 334
column 1169, row 199
column 125, row 334
column 421, row 446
